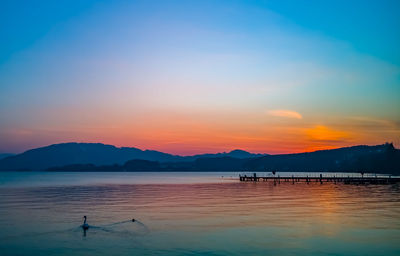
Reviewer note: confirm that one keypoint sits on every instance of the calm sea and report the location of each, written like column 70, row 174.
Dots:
column 193, row 214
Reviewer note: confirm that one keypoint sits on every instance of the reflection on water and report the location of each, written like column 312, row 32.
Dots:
column 191, row 218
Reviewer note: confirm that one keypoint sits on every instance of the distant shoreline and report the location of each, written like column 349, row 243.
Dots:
column 95, row 157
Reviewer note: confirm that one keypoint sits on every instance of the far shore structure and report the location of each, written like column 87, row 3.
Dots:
column 346, row 179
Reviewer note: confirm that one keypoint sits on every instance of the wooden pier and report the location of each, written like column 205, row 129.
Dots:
column 322, row 178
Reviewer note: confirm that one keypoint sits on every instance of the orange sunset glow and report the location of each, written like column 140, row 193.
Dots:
column 180, row 83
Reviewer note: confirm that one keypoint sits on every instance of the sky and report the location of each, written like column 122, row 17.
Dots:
column 188, row 77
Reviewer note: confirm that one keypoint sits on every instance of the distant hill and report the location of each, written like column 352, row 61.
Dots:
column 4, row 155
column 378, row 159
column 79, row 153
column 381, row 159
column 237, row 153
column 99, row 157
column 95, row 154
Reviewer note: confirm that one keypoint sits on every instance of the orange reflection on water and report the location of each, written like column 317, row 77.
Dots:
column 265, row 215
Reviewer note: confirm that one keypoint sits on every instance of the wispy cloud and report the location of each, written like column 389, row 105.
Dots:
column 285, row 113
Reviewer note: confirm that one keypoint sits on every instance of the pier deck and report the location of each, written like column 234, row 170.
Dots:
column 321, row 178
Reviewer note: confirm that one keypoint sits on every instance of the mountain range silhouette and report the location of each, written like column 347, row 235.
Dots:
column 383, row 158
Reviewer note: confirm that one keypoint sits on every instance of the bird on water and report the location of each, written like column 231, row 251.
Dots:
column 85, row 226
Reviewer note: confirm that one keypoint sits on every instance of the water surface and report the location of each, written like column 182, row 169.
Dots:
column 193, row 214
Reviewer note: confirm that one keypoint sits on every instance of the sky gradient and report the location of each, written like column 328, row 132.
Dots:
column 189, row 77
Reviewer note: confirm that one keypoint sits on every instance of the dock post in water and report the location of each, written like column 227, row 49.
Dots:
column 388, row 179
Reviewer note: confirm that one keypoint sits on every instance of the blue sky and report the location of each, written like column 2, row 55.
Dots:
column 113, row 71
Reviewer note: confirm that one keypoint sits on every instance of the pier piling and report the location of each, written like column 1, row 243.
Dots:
column 321, row 178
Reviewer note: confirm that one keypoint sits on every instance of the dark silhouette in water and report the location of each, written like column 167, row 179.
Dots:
column 110, row 227
column 85, row 226
column 140, row 229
